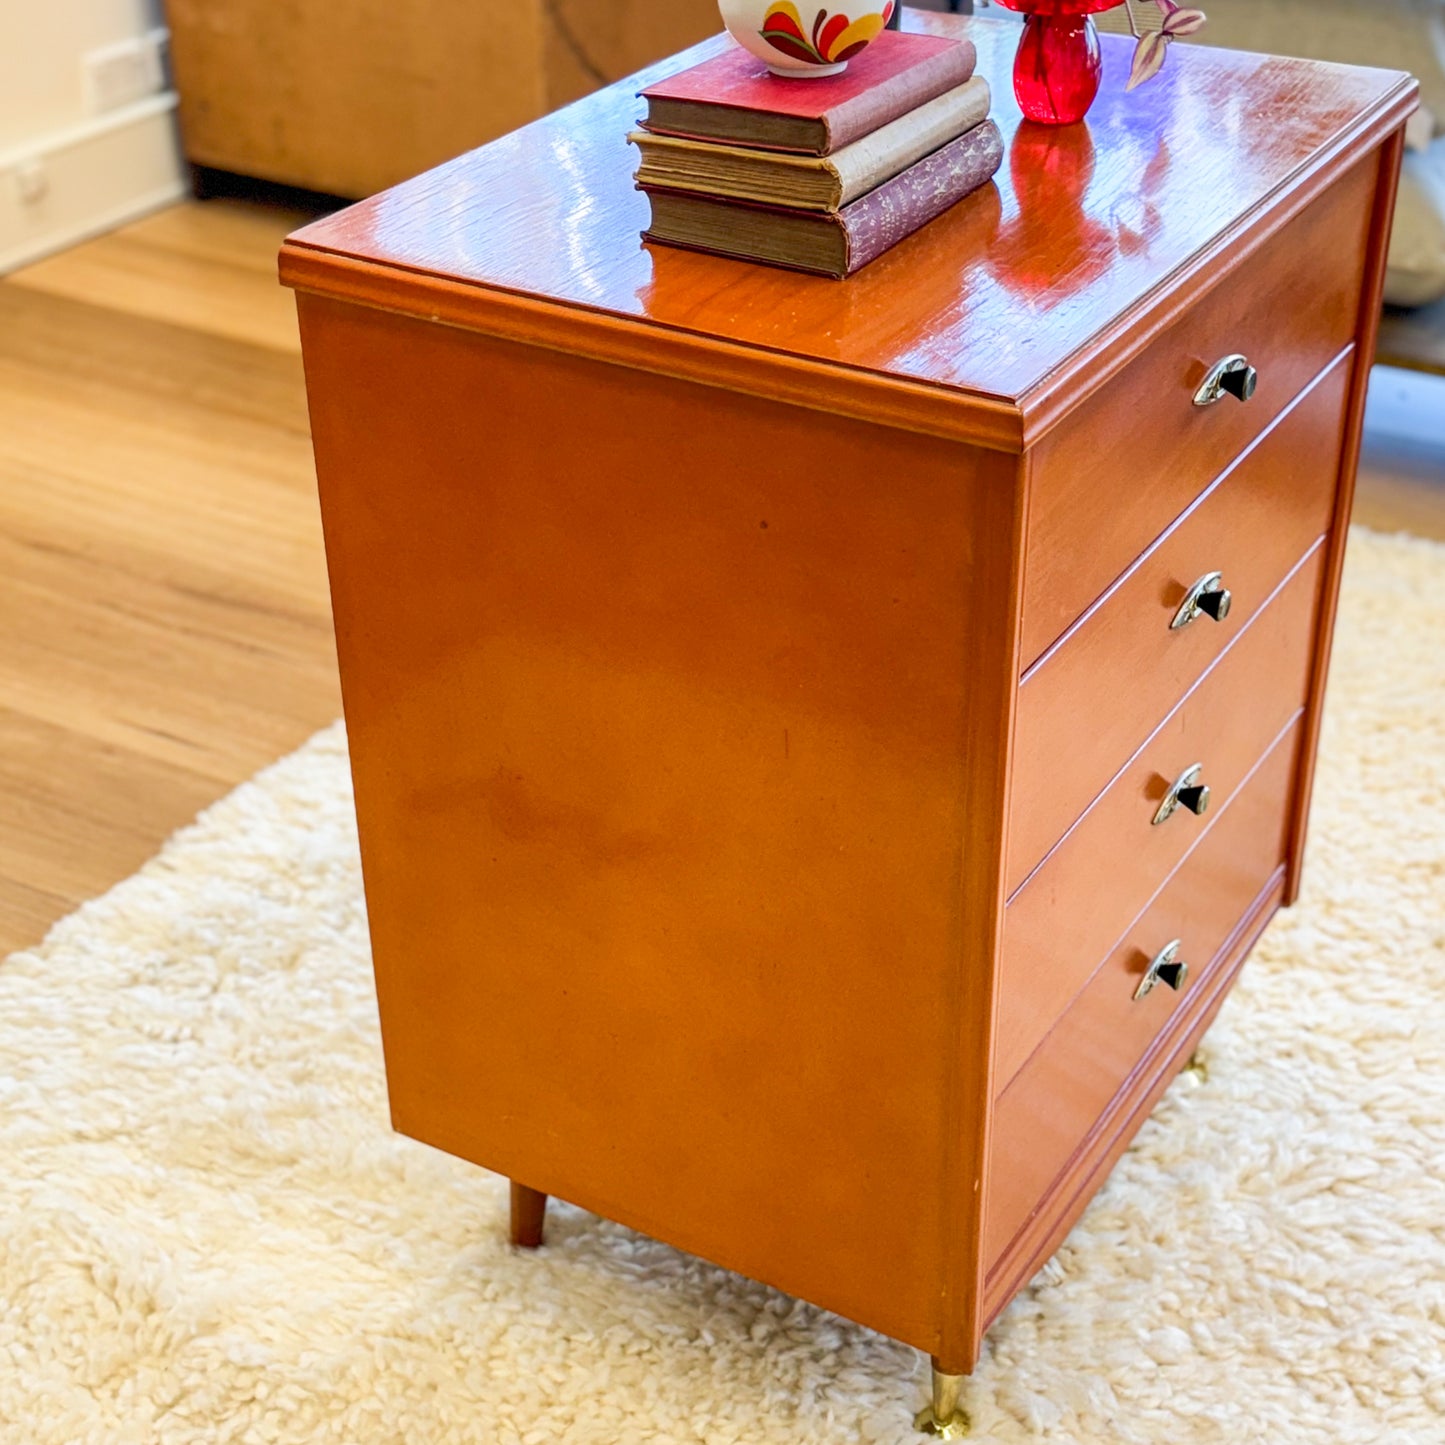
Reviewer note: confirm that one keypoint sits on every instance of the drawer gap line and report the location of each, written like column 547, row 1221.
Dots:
column 1063, row 638
column 1121, row 1116
column 1134, row 756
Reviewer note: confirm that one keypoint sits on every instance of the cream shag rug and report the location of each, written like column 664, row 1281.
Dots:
column 209, row 1233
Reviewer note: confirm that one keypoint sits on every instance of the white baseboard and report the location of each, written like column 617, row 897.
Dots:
column 94, row 177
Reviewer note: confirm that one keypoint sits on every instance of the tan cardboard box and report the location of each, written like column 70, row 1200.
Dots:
column 351, row 96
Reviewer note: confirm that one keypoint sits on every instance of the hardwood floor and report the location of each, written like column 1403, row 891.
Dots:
column 164, row 625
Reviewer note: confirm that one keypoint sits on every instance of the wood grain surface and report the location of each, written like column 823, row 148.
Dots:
column 1075, row 905
column 1114, row 474
column 1091, row 700
column 164, row 624
column 985, row 300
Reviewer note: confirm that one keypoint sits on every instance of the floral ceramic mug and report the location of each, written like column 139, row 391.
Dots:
column 807, row 42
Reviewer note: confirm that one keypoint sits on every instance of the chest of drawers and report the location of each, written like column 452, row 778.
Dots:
column 794, row 723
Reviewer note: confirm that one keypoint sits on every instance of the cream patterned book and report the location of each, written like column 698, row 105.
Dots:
column 812, row 183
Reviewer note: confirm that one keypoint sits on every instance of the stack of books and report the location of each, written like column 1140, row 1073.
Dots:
column 820, row 175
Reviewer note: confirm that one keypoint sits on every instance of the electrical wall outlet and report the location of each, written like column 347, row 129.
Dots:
column 32, row 181
column 121, row 74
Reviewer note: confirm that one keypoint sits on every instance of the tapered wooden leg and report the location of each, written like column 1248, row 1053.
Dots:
column 529, row 1213
column 945, row 1418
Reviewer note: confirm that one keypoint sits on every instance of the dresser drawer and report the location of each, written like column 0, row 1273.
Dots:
column 1080, row 899
column 1092, row 699
column 1053, row 1103
column 1107, row 480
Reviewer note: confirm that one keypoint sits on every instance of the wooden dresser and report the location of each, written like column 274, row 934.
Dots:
column 794, row 721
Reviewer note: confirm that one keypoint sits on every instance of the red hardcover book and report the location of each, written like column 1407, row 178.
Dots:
column 735, row 98
column 833, row 243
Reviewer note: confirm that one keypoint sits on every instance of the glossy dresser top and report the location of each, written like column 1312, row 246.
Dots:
column 1008, row 298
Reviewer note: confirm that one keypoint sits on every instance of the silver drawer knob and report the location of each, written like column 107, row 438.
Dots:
column 1208, row 597
column 1166, row 968
column 1186, row 791
column 1230, row 376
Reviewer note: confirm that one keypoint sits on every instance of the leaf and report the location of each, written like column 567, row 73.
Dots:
column 797, row 49
column 781, row 25
column 1148, row 57
column 1183, row 22
column 823, row 39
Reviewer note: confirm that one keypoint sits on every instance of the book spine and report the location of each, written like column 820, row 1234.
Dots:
column 876, row 106
column 867, row 163
column 911, row 199
column 703, row 249
column 673, row 132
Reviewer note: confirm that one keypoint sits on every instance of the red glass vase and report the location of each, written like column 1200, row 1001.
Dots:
column 1057, row 68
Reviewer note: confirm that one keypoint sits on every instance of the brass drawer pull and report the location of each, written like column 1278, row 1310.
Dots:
column 1185, row 792
column 1232, row 376
column 1167, row 968
column 1209, row 595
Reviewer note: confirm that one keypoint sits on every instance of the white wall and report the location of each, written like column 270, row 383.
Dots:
column 74, row 162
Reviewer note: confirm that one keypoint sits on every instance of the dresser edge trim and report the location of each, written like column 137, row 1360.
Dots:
column 992, row 423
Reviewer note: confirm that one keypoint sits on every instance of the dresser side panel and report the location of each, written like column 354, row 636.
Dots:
column 667, row 771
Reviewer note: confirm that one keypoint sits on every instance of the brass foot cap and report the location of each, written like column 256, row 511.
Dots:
column 955, row 1427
